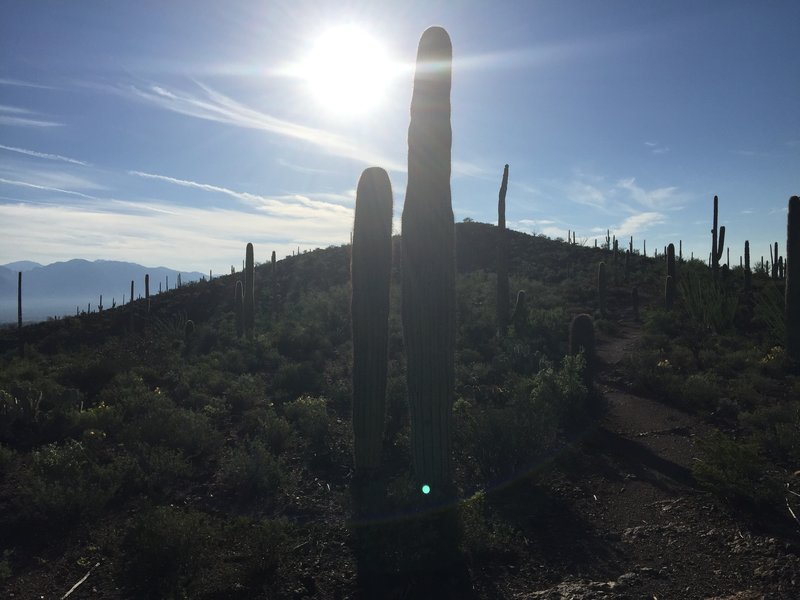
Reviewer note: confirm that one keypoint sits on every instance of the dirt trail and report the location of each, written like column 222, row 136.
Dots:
column 661, row 536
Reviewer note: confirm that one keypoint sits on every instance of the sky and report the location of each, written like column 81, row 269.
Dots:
column 173, row 133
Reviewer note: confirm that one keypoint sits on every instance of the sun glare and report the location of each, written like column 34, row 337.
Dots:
column 347, row 71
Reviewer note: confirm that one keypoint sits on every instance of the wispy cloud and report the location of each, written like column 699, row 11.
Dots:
column 288, row 206
column 46, row 188
column 44, row 155
column 657, row 148
column 22, row 117
column 658, row 198
column 638, row 223
column 190, row 235
column 21, row 83
column 211, row 105
column 587, row 194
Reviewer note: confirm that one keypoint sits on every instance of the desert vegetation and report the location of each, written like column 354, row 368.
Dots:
column 371, row 420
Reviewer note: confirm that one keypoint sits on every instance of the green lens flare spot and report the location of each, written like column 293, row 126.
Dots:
column 426, row 489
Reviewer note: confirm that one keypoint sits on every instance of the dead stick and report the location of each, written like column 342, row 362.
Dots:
column 84, row 578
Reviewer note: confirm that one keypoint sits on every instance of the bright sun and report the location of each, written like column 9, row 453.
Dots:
column 347, row 71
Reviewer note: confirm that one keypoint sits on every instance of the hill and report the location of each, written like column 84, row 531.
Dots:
column 187, row 461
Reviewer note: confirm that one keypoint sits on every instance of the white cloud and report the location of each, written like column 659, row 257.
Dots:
column 211, row 105
column 20, row 83
column 194, row 238
column 44, row 155
column 658, row 198
column 638, row 223
column 585, row 193
column 288, row 206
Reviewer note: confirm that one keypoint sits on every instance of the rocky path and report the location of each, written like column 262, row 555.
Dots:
column 659, row 536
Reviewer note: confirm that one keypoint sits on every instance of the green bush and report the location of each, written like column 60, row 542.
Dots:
column 165, row 551
column 67, row 482
column 251, row 470
column 735, row 470
column 310, row 416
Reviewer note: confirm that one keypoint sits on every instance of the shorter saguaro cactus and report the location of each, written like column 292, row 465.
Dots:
column 248, row 314
column 370, row 275
column 581, row 339
column 747, row 266
column 792, row 299
column 669, row 288
column 635, row 302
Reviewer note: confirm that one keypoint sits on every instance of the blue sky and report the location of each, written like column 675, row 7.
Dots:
column 172, row 133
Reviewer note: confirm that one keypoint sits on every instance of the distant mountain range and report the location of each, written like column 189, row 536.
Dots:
column 59, row 289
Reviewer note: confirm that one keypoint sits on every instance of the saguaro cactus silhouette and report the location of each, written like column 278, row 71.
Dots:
column 502, row 259
column 249, row 314
column 428, row 254
column 717, row 242
column 147, row 291
column 370, row 276
column 747, row 266
column 669, row 289
column 792, row 284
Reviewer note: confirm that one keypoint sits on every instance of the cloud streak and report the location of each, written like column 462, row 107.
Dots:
column 44, row 155
column 211, row 105
column 288, row 206
column 22, row 117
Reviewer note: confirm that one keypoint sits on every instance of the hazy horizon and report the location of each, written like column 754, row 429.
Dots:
column 175, row 134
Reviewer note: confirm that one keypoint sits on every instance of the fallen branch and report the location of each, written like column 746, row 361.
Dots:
column 84, row 578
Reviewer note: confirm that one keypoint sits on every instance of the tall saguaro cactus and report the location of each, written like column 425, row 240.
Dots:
column 428, row 254
column 717, row 241
column 249, row 314
column 502, row 259
column 747, row 266
column 370, row 276
column 792, row 274
column 147, row 291
column 669, row 288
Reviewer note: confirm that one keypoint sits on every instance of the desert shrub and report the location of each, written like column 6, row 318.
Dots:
column 173, row 427
column 245, row 392
column 650, row 372
column 769, row 313
column 504, row 439
column 310, row 416
column 708, row 303
column 165, row 551
column 263, row 423
column 484, row 536
column 293, row 379
column 250, row 469
column 778, row 428
column 6, row 459
column 159, row 469
column 735, row 470
column 67, row 482
column 701, row 391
